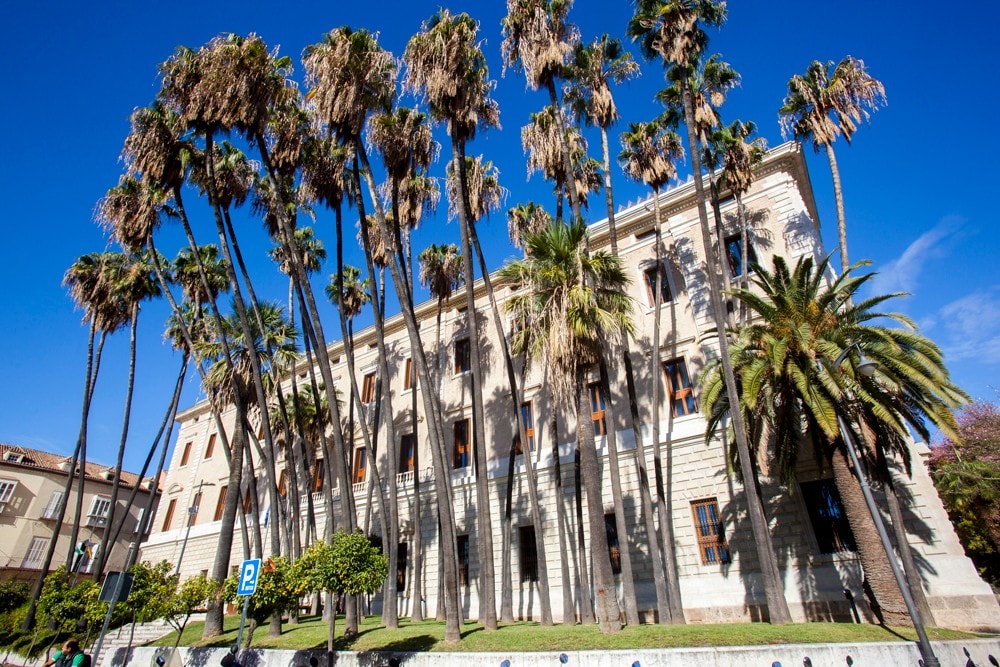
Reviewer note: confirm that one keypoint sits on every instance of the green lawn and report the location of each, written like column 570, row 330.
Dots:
column 311, row 633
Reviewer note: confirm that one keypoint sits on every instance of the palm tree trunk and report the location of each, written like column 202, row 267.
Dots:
column 773, row 588
column 910, row 569
column 889, row 606
column 583, row 564
column 605, row 600
column 838, row 195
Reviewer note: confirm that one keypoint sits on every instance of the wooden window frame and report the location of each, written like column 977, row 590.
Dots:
column 368, row 388
column 220, row 504
column 528, row 417
column 186, row 453
column 527, row 554
column 282, row 483
column 461, row 447
column 709, row 532
column 678, row 393
column 194, row 509
column 359, row 465
column 649, row 277
column 406, row 460
column 319, row 476
column 598, row 411
column 409, row 374
column 210, row 447
column 169, row 518
column 733, row 244
column 463, row 355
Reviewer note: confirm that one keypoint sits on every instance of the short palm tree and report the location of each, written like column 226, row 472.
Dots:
column 825, row 103
column 569, row 296
column 791, row 393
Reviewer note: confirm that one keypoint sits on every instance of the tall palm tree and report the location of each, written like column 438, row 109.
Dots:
column 792, row 393
column 566, row 312
column 441, row 272
column 525, row 219
column 446, row 65
column 649, row 155
column 825, row 103
column 673, row 31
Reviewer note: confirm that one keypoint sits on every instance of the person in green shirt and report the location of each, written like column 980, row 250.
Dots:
column 69, row 656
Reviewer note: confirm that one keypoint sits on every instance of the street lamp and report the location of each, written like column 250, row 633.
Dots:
column 192, row 512
column 867, row 368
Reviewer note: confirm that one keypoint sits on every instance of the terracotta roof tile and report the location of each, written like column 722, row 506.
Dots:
column 34, row 458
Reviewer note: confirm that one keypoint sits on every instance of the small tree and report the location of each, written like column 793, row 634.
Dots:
column 967, row 475
column 276, row 592
column 350, row 563
column 185, row 600
column 63, row 605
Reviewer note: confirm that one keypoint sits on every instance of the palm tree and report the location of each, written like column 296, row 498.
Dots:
column 567, row 310
column 649, row 155
column 525, row 219
column 447, row 67
column 441, row 272
column 672, row 30
column 792, row 393
column 823, row 104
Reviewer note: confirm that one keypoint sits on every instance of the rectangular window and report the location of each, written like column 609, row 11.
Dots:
column 368, row 388
column 51, row 510
column 528, row 554
column 220, row 504
column 463, row 356
column 7, row 487
column 98, row 513
column 194, row 509
column 406, row 447
column 708, row 529
column 282, row 484
column 460, row 454
column 597, row 408
column 247, row 502
column 186, row 455
column 401, row 567
column 614, row 548
column 463, row 560
column 36, row 550
column 210, row 447
column 409, row 375
column 528, row 417
column 827, row 516
column 169, row 517
column 319, row 476
column 649, row 277
column 360, row 465
column 734, row 254
column 679, row 388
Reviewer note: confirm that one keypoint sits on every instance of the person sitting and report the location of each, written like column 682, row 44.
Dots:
column 69, row 656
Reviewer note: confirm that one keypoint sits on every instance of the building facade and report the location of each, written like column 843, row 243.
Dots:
column 719, row 575
column 32, row 492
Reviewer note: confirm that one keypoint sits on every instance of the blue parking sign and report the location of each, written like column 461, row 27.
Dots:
column 249, row 572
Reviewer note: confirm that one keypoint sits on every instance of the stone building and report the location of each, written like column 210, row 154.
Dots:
column 32, row 489
column 719, row 575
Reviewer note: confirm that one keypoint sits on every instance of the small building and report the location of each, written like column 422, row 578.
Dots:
column 32, row 492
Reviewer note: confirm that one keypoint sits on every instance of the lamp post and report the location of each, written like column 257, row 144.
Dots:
column 867, row 368
column 192, row 512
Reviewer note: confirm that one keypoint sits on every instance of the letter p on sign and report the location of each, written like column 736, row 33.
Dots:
column 249, row 572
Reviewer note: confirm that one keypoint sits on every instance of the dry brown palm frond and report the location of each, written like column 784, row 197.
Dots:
column 132, row 211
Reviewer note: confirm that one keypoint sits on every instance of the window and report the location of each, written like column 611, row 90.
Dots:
column 220, row 505
column 679, row 388
column 319, row 476
column 528, row 554
column 734, row 254
column 409, row 375
column 210, row 447
column 33, row 557
column 368, row 388
column 282, row 484
column 528, row 417
column 169, row 517
column 187, row 453
column 193, row 510
column 401, row 567
column 827, row 516
column 51, row 510
column 406, row 446
column 597, row 408
column 649, row 276
column 7, row 487
column 460, row 455
column 463, row 356
column 614, row 549
column 360, row 465
column 708, row 529
column 98, row 513
column 247, row 502
column 463, row 560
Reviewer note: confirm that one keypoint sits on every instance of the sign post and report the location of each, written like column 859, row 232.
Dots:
column 249, row 573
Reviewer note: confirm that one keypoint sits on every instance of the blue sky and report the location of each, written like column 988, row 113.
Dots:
column 915, row 186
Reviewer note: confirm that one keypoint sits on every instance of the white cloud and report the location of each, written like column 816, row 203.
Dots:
column 970, row 327
column 903, row 273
